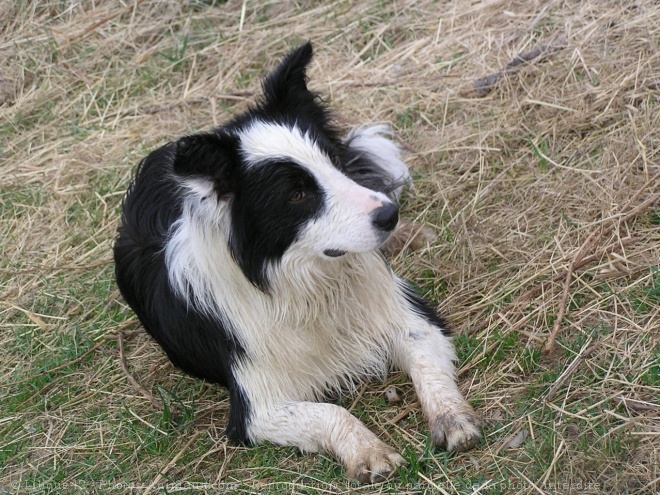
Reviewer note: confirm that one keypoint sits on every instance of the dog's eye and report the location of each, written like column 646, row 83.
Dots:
column 297, row 196
column 336, row 161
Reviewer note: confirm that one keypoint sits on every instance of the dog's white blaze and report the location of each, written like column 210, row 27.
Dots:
column 302, row 338
column 265, row 141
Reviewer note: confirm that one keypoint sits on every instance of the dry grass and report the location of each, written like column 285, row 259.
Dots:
column 544, row 192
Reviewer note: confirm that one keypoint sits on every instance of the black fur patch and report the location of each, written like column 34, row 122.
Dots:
column 194, row 342
column 267, row 216
column 211, row 156
column 424, row 308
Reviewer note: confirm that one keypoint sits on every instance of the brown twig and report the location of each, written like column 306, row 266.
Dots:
column 507, row 440
column 403, row 414
column 550, row 344
column 626, row 241
column 638, row 406
column 127, row 335
column 484, row 85
column 568, row 372
column 358, row 397
column 124, row 367
column 591, row 241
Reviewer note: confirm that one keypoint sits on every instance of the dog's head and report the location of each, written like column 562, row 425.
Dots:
column 277, row 171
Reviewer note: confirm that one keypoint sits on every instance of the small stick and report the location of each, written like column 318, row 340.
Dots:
column 81, row 357
column 550, row 344
column 507, row 440
column 486, row 84
column 124, row 367
column 535, row 290
column 636, row 405
column 592, row 240
column 568, row 372
column 403, row 414
column 358, row 397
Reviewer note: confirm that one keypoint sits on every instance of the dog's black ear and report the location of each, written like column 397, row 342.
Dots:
column 289, row 78
column 207, row 156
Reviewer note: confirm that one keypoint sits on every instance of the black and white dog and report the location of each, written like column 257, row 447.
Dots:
column 250, row 254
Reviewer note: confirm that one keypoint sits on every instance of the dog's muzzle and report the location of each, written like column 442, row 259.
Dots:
column 384, row 220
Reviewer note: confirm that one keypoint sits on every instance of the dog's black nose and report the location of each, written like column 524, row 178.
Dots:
column 386, row 217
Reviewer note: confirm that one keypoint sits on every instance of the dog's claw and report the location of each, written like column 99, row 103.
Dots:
column 378, row 466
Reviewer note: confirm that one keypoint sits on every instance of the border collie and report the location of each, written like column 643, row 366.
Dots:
column 251, row 255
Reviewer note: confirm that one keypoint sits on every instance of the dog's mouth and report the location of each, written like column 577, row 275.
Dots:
column 334, row 253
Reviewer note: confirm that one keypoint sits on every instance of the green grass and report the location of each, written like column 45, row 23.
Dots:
column 541, row 153
column 178, row 55
column 647, row 299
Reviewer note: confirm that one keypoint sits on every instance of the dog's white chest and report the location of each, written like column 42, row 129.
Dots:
column 323, row 337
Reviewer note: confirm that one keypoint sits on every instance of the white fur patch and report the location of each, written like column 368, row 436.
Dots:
column 301, row 339
column 198, row 186
column 324, row 324
column 265, row 141
column 326, row 427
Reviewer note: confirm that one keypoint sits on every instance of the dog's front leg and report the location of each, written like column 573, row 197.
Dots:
column 427, row 356
column 317, row 427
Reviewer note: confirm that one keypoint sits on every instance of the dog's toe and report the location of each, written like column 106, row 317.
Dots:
column 456, row 431
column 376, row 465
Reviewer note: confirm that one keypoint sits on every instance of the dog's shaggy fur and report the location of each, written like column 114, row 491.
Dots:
column 250, row 254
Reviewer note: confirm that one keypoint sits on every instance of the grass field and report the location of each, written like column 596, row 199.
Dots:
column 533, row 133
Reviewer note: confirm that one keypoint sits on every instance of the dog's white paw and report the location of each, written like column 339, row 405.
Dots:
column 374, row 463
column 456, row 429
